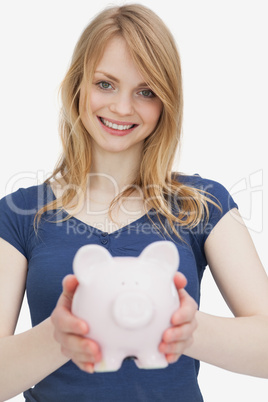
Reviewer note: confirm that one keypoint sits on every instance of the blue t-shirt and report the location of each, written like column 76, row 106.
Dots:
column 50, row 254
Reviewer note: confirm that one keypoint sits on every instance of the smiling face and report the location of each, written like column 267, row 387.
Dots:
column 124, row 111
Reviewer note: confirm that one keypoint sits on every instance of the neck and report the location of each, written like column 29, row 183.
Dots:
column 113, row 172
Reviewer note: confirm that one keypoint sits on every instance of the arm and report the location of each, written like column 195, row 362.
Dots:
column 237, row 344
column 25, row 358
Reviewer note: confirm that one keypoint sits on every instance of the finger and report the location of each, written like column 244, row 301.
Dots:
column 82, row 352
column 179, row 333
column 187, row 310
column 87, row 367
column 69, row 285
column 180, row 280
column 176, row 348
column 62, row 317
column 79, row 358
column 172, row 358
column 84, row 358
column 66, row 323
column 95, row 358
column 80, row 345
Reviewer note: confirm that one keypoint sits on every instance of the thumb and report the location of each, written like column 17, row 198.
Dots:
column 69, row 285
column 180, row 281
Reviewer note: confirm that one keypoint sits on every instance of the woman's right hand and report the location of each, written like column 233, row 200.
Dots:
column 70, row 331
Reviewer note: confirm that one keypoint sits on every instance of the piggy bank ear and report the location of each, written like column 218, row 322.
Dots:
column 164, row 253
column 88, row 257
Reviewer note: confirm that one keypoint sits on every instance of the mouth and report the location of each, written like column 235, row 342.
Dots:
column 119, row 128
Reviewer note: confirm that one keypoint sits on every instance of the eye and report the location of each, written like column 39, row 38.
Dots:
column 147, row 93
column 104, row 85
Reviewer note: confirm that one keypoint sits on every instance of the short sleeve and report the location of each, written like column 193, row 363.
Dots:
column 221, row 202
column 218, row 194
column 13, row 222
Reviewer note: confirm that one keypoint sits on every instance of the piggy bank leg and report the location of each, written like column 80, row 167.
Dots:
column 151, row 360
column 111, row 361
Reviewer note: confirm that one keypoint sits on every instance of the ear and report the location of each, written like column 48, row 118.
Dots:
column 164, row 253
column 87, row 258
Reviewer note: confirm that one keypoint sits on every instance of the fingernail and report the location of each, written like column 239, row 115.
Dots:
column 161, row 348
column 171, row 359
column 91, row 369
column 84, row 328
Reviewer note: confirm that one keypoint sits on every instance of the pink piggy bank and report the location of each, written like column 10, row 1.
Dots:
column 127, row 302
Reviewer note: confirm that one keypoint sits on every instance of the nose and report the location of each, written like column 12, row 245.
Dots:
column 132, row 310
column 122, row 104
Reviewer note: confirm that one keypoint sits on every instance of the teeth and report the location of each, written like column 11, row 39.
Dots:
column 115, row 126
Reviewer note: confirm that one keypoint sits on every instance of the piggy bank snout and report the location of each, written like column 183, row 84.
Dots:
column 132, row 310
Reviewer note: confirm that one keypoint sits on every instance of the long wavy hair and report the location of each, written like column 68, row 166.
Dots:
column 155, row 54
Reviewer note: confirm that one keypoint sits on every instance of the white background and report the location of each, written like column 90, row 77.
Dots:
column 224, row 53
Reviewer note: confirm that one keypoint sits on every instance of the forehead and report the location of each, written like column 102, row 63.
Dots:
column 117, row 61
column 115, row 47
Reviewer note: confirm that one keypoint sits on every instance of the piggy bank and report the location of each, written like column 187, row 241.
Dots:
column 127, row 302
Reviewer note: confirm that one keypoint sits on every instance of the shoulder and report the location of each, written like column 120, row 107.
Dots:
column 26, row 201
column 218, row 201
column 199, row 182
column 214, row 190
column 17, row 212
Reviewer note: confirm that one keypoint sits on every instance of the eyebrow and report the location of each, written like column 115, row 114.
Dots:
column 111, row 77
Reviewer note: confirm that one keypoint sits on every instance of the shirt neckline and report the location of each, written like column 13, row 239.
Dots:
column 93, row 228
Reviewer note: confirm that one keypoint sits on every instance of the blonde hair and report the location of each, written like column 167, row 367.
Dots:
column 155, row 54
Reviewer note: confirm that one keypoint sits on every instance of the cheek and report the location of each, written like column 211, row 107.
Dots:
column 96, row 101
column 91, row 102
column 152, row 113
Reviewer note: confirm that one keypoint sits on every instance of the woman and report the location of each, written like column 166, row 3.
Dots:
column 113, row 186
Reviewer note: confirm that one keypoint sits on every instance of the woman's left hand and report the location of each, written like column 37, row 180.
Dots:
column 180, row 335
